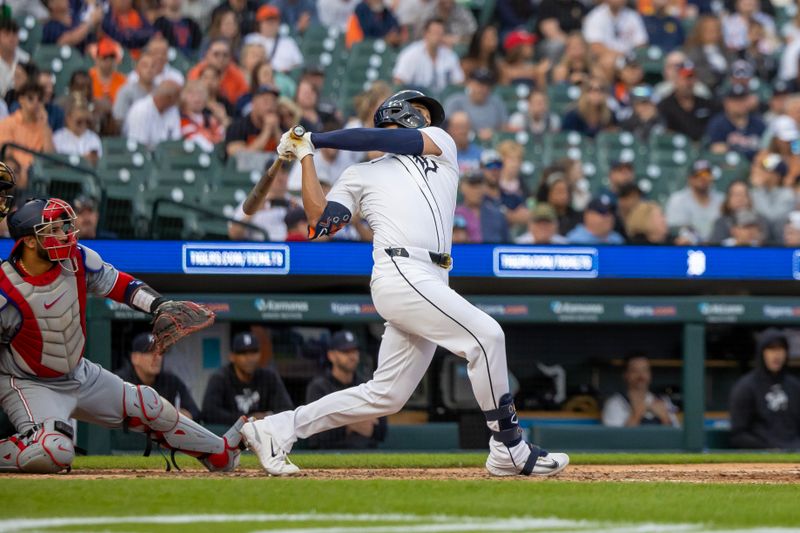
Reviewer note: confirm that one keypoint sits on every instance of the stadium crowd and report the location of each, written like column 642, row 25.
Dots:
column 646, row 122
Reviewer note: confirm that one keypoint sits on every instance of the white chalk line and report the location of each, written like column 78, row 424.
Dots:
column 411, row 523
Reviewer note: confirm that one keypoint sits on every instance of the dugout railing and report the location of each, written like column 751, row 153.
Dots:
column 691, row 316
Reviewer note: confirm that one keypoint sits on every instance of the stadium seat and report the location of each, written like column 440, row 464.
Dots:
column 62, row 61
column 67, row 179
column 129, row 160
column 122, row 211
column 30, row 33
column 728, row 167
column 562, row 96
column 120, row 145
column 566, row 144
column 182, row 155
column 651, row 58
column 179, row 61
column 124, row 177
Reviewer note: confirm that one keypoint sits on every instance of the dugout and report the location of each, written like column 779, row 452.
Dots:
column 698, row 347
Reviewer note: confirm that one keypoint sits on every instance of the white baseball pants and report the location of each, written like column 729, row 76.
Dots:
column 421, row 311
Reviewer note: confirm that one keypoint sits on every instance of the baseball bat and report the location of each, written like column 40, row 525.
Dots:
column 260, row 189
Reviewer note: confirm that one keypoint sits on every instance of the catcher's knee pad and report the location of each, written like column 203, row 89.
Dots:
column 46, row 448
column 146, row 411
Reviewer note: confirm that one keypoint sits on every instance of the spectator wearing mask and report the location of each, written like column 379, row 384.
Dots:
column 77, row 137
column 598, row 224
column 591, row 114
column 695, row 207
column 127, row 25
column 771, row 198
column 260, row 130
column 537, row 120
column 555, row 190
column 664, row 30
column 88, row 219
column 198, row 124
column 737, row 198
column 145, row 367
column 271, row 216
column 106, row 79
column 460, row 23
column 241, row 388
column 232, row 83
column 27, row 127
column 428, row 63
column 765, row 402
column 485, row 222
column 511, row 204
column 736, row 128
column 63, row 29
column 344, row 356
column 373, row 20
column 646, row 224
column 542, row 227
column 487, row 112
column 645, row 120
column 613, row 29
column 298, row 14
column 155, row 118
column 518, row 67
column 683, row 111
column 638, row 406
column 482, row 52
column 746, row 230
column 135, row 90
column 182, row 33
column 467, row 152
column 282, row 51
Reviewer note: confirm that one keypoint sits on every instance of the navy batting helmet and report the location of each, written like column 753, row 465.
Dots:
column 7, row 183
column 397, row 109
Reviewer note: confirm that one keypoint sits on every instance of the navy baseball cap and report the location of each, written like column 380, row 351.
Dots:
column 343, row 341
column 267, row 89
column 244, row 343
column 737, row 90
column 602, row 204
column 701, row 166
column 143, row 343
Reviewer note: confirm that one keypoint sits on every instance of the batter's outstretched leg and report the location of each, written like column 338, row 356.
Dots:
column 402, row 361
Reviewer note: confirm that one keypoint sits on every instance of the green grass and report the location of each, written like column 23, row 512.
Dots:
column 707, row 505
column 441, row 460
column 713, row 505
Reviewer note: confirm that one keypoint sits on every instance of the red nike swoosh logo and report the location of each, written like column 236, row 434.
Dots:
column 51, row 304
column 60, row 447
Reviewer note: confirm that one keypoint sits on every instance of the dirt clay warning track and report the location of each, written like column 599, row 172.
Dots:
column 685, row 473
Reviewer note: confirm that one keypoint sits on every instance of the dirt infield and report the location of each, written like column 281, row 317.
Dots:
column 689, row 473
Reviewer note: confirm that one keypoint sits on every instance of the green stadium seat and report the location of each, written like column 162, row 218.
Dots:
column 651, row 58
column 227, row 196
column 728, row 167
column 122, row 211
column 30, row 33
column 179, row 61
column 562, row 96
column 181, row 155
column 120, row 145
column 124, row 177
column 62, row 61
column 567, row 144
column 129, row 160
column 64, row 180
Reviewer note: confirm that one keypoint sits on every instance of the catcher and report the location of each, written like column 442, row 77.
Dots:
column 44, row 379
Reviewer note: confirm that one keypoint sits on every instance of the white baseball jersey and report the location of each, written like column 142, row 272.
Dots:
column 407, row 200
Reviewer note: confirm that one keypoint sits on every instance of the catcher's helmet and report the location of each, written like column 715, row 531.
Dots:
column 7, row 183
column 39, row 217
column 397, row 109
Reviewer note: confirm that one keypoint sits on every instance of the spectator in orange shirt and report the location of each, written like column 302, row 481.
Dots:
column 127, row 26
column 27, row 127
column 232, row 83
column 106, row 80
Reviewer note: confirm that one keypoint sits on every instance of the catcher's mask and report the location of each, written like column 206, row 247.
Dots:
column 52, row 222
column 7, row 183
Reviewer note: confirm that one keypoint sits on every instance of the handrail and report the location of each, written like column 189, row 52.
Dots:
column 202, row 211
column 48, row 157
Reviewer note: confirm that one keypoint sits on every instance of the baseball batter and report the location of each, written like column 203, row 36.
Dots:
column 408, row 197
column 44, row 378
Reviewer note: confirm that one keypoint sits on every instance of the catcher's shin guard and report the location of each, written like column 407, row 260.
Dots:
column 46, row 448
column 147, row 412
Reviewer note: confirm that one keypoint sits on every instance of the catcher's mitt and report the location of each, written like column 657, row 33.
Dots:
column 175, row 320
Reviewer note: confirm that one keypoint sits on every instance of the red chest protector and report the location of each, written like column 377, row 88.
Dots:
column 39, row 299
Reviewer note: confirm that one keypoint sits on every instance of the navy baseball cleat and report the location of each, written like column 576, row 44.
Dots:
column 524, row 459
